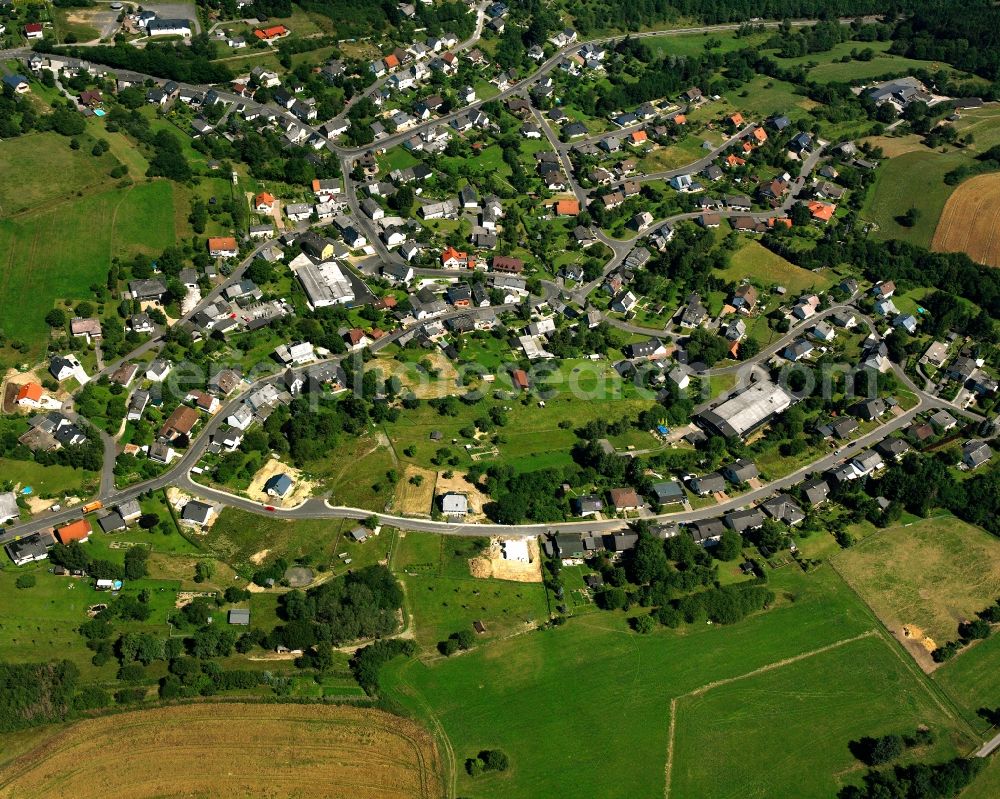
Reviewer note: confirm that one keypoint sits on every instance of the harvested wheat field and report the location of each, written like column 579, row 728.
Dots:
column 231, row 750
column 970, row 222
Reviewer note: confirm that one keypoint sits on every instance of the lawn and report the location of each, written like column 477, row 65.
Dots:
column 769, row 722
column 44, row 619
column 545, row 698
column 693, row 44
column 754, row 260
column 930, row 573
column 27, row 157
column 48, row 481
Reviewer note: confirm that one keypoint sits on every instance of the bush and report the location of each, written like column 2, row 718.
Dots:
column 26, row 581
column 643, row 624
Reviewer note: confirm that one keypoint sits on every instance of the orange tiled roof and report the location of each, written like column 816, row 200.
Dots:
column 222, row 243
column 821, row 211
column 74, row 531
column 30, row 391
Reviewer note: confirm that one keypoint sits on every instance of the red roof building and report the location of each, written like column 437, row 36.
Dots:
column 567, row 207
column 29, row 394
column 274, row 32
column 79, row 530
column 507, row 264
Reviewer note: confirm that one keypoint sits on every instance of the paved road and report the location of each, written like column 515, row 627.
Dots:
column 989, row 747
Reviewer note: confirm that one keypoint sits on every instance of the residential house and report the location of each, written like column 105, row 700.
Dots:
column 625, row 499
column 976, row 453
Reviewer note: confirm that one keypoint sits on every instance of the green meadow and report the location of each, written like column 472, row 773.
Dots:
column 585, row 709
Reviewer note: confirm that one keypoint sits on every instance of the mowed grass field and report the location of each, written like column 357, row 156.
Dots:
column 62, row 220
column 971, row 679
column 584, row 710
column 58, row 252
column 785, row 731
column 970, row 222
column 931, row 573
column 41, row 168
column 912, row 180
column 241, row 750
column 755, row 261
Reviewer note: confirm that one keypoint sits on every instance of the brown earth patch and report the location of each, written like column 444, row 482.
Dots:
column 492, row 564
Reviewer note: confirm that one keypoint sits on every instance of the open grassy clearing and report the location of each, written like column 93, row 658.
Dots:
column 237, row 536
column 913, row 176
column 306, row 750
column 28, row 157
column 691, row 44
column 912, row 180
column 543, row 696
column 970, row 222
column 930, row 574
column 444, row 597
column 58, row 253
column 863, row 687
column 45, row 619
column 78, row 23
column 755, row 261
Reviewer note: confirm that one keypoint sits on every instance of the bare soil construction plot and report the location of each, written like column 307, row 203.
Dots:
column 241, row 750
column 301, row 489
column 493, row 564
column 458, row 484
column 970, row 222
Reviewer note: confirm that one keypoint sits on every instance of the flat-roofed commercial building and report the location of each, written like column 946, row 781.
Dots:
column 747, row 411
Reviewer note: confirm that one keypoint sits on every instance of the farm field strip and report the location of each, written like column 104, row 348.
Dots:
column 970, row 221
column 309, row 748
